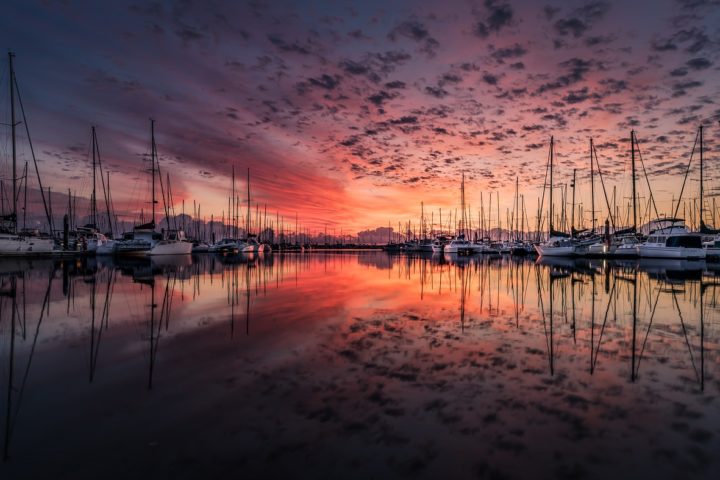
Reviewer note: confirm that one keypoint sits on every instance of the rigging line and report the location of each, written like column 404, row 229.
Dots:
column 542, row 198
column 106, row 192
column 602, row 329
column 647, row 333
column 687, row 172
column 647, row 180
column 687, row 340
column 31, row 355
column 602, row 182
column 32, row 152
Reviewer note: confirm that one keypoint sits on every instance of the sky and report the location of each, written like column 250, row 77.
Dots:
column 351, row 114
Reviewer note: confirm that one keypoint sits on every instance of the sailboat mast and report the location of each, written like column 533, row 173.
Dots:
column 592, row 187
column 152, row 168
column 550, row 219
column 93, row 205
column 14, row 145
column 702, row 223
column 517, row 208
column 572, row 213
column 632, row 160
column 247, row 220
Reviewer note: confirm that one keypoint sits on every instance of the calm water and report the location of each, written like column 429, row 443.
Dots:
column 359, row 365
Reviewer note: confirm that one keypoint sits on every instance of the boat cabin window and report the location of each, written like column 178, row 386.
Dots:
column 686, row 241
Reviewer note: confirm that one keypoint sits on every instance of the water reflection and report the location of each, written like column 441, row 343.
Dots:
column 349, row 330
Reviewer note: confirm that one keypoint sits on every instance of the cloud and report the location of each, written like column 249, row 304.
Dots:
column 436, row 92
column 417, row 32
column 495, row 16
column 699, row 63
column 575, row 70
column 581, row 19
column 514, row 51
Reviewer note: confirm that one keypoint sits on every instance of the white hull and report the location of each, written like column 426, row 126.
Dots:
column 457, row 248
column 107, row 248
column 171, row 247
column 12, row 245
column 625, row 252
column 647, row 251
column 550, row 251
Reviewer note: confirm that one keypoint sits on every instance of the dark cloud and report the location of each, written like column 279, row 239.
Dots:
column 579, row 96
column 417, row 32
column 381, row 97
column 514, row 51
column 449, row 78
column 293, row 47
column 614, row 86
column 679, row 72
column 680, row 88
column 581, row 19
column 693, row 39
column 494, row 17
column 436, row 92
column 575, row 70
column 324, row 81
column 599, row 40
column 490, row 79
column 550, row 11
column 699, row 63
column 395, row 84
column 407, row 119
column 354, row 68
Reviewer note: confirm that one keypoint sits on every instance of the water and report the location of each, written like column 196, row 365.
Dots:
column 359, row 365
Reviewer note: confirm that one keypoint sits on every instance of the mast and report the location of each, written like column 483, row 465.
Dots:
column 632, row 160
column 517, row 208
column 702, row 223
column 152, row 168
column 247, row 220
column 592, row 187
column 572, row 214
column 93, row 205
column 14, row 145
column 550, row 219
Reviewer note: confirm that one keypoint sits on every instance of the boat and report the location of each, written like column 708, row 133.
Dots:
column 558, row 244
column 198, row 246
column 250, row 245
column 12, row 241
column 172, row 242
column 459, row 245
column 144, row 239
column 227, row 245
column 672, row 240
column 438, row 245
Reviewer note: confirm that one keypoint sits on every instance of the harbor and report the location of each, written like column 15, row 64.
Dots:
column 470, row 239
column 395, row 366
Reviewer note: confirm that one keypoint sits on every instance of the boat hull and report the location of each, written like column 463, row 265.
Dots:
column 171, row 247
column 550, row 251
column 26, row 246
column 646, row 251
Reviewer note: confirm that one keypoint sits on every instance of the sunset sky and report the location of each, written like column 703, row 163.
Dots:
column 352, row 113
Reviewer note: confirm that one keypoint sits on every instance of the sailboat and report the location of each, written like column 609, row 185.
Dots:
column 90, row 234
column 459, row 244
column 252, row 245
column 671, row 238
column 710, row 235
column 26, row 242
column 230, row 244
column 144, row 239
column 558, row 244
